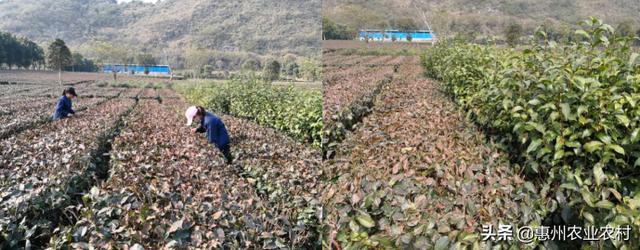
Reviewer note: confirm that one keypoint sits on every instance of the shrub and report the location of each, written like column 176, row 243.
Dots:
column 568, row 114
column 297, row 113
column 271, row 71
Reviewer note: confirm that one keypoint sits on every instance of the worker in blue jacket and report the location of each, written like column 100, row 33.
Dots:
column 214, row 128
column 63, row 107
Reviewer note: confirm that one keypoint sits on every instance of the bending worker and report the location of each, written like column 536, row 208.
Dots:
column 63, row 107
column 213, row 126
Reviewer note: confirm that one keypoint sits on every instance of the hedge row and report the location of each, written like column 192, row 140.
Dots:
column 568, row 114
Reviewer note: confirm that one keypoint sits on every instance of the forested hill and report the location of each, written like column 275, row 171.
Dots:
column 170, row 26
column 485, row 17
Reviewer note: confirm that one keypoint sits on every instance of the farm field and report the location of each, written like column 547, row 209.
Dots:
column 125, row 172
column 29, row 77
column 413, row 173
column 467, row 136
column 349, row 89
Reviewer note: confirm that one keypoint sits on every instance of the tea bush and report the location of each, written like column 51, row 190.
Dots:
column 297, row 113
column 569, row 114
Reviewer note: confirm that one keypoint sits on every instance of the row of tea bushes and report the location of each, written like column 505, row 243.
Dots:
column 568, row 114
column 295, row 112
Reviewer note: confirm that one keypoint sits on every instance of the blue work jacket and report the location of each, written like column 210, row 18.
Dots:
column 63, row 108
column 215, row 129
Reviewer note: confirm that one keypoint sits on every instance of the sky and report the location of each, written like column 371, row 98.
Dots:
column 146, row 1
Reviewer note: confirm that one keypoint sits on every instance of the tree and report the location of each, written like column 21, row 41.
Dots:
column 221, row 64
column 59, row 57
column 19, row 52
column 196, row 59
column 81, row 64
column 25, row 50
column 271, row 71
column 10, row 49
column 512, row 33
column 106, row 52
column 145, row 59
column 292, row 69
column 468, row 36
column 37, row 53
column 207, row 70
column 251, row 64
column 625, row 29
column 76, row 60
column 310, row 70
column 289, row 58
column 357, row 17
column 4, row 48
column 406, row 23
column 334, row 31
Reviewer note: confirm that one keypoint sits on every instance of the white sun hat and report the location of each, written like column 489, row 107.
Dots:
column 190, row 114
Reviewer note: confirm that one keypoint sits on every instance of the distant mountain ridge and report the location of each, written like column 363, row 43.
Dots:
column 255, row 26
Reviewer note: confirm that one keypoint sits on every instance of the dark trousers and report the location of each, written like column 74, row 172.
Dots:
column 226, row 152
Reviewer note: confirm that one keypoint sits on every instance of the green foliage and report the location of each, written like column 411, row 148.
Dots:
column 107, row 52
column 251, row 64
column 19, row 52
column 406, row 23
column 512, row 33
column 196, row 59
column 625, row 28
column 310, row 70
column 297, row 113
column 334, row 31
column 81, row 64
column 146, row 59
column 58, row 55
column 569, row 114
column 271, row 71
column 292, row 69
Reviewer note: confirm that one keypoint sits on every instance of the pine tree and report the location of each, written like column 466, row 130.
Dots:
column 58, row 57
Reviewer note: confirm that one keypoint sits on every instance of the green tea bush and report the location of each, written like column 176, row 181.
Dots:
column 568, row 114
column 295, row 112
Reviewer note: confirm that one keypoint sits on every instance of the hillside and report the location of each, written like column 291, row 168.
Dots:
column 167, row 28
column 486, row 17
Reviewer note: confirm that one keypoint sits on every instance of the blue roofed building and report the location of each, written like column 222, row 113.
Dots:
column 397, row 35
column 137, row 69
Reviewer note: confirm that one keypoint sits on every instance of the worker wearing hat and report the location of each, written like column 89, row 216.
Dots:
column 214, row 128
column 63, row 107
